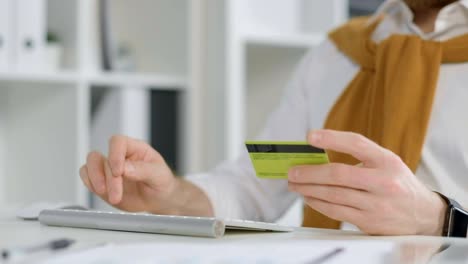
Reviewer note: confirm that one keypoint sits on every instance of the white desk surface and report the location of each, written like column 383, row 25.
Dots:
column 15, row 232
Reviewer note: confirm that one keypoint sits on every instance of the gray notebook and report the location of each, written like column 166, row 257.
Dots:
column 150, row 223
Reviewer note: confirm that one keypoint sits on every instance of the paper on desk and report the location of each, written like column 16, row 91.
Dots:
column 229, row 252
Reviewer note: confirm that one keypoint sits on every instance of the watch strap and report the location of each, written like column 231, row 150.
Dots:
column 456, row 219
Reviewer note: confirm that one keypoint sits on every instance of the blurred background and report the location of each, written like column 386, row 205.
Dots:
column 194, row 78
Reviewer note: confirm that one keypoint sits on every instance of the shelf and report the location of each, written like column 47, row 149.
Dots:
column 168, row 82
column 48, row 77
column 285, row 40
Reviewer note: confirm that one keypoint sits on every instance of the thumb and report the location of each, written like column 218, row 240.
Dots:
column 154, row 174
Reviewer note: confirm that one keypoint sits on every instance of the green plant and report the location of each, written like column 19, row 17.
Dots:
column 52, row 37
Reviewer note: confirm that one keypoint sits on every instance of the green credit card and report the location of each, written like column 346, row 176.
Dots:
column 273, row 159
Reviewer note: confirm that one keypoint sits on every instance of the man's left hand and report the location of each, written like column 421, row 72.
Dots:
column 381, row 195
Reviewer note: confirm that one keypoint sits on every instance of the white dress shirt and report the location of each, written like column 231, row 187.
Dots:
column 236, row 192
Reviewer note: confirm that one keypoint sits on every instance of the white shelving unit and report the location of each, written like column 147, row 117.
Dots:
column 45, row 124
column 47, row 77
column 230, row 59
column 292, row 41
column 108, row 79
column 139, row 80
column 41, row 140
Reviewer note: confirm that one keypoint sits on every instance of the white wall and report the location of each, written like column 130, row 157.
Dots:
column 269, row 70
column 322, row 16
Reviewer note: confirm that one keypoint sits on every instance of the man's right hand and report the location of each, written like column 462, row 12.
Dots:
column 133, row 178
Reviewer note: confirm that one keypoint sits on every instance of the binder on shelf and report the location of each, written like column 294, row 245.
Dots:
column 108, row 47
column 30, row 37
column 6, row 25
column 164, row 123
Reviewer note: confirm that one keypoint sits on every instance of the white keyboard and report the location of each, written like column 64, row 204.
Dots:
column 149, row 223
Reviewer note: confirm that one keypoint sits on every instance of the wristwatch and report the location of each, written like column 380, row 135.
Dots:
column 456, row 219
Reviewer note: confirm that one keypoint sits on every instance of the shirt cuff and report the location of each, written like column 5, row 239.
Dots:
column 223, row 202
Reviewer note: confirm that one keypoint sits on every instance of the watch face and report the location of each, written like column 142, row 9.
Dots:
column 459, row 222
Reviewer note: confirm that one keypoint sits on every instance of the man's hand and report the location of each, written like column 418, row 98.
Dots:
column 381, row 196
column 136, row 178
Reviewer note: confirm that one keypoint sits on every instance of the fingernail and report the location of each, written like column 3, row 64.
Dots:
column 315, row 137
column 129, row 168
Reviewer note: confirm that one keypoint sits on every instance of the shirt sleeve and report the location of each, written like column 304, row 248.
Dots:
column 232, row 187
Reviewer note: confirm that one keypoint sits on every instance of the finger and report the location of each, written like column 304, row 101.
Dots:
column 85, row 179
column 350, row 143
column 154, row 174
column 336, row 195
column 336, row 174
column 117, row 154
column 335, row 211
column 114, row 185
column 122, row 148
column 95, row 169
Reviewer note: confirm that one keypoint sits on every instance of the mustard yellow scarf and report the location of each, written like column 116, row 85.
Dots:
column 390, row 99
